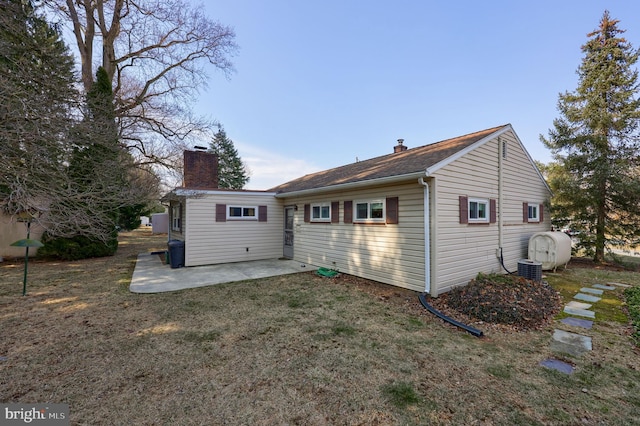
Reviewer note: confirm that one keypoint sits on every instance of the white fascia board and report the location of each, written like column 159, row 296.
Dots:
column 352, row 185
column 200, row 192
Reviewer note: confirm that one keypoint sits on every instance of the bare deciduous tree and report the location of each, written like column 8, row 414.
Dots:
column 154, row 52
column 41, row 116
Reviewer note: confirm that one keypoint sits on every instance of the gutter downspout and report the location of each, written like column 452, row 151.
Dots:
column 427, row 236
column 500, row 200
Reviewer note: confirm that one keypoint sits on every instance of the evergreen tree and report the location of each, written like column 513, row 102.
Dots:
column 232, row 173
column 596, row 143
column 96, row 177
column 37, row 99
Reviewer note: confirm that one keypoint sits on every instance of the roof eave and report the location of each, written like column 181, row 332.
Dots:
column 353, row 185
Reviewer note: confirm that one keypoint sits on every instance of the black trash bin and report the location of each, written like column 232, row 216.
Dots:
column 176, row 253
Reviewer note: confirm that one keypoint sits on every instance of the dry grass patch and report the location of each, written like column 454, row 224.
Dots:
column 296, row 349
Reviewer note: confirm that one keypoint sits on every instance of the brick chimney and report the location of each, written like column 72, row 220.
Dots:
column 400, row 147
column 200, row 170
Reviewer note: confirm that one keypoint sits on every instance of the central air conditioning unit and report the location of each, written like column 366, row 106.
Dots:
column 530, row 269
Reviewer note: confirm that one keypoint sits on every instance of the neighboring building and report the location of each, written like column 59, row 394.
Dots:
column 12, row 230
column 428, row 218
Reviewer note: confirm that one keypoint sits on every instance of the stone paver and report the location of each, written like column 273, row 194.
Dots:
column 579, row 312
column 587, row 297
column 571, row 343
column 577, row 322
column 555, row 364
column 620, row 285
column 578, row 305
column 604, row 287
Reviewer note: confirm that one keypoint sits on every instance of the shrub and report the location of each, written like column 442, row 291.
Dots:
column 632, row 296
column 506, row 299
column 78, row 247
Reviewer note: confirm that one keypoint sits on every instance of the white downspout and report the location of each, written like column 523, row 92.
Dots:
column 500, row 201
column 427, row 238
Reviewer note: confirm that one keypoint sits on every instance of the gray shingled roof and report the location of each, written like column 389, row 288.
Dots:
column 406, row 162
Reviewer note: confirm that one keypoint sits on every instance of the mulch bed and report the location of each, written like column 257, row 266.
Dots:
column 536, row 303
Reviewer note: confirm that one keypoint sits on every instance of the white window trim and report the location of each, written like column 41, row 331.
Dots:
column 484, row 201
column 242, row 207
column 536, row 218
column 176, row 219
column 382, row 219
column 320, row 206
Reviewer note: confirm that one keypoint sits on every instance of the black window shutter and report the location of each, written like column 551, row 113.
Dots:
column 541, row 214
column 335, row 212
column 307, row 212
column 392, row 210
column 221, row 212
column 493, row 215
column 348, row 212
column 525, row 212
column 262, row 213
column 464, row 209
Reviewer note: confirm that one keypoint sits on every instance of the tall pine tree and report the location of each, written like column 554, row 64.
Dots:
column 232, row 173
column 37, row 100
column 96, row 177
column 596, row 143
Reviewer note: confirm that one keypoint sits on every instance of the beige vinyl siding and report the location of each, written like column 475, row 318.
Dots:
column 11, row 231
column 521, row 183
column 388, row 253
column 209, row 242
column 464, row 250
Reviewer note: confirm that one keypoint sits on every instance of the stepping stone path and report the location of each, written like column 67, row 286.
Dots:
column 573, row 343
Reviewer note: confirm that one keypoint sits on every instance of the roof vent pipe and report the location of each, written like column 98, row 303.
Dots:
column 400, row 147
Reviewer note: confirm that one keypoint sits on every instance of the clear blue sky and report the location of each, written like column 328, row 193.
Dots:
column 321, row 83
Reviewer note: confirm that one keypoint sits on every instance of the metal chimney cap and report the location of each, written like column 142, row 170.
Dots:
column 201, row 148
column 400, row 141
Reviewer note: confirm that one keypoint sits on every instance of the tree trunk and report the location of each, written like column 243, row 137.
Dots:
column 601, row 222
column 110, row 33
column 85, row 45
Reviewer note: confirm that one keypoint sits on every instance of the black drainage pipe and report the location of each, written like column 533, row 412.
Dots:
column 502, row 263
column 469, row 329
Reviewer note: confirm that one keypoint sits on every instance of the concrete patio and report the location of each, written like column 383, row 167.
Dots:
column 151, row 275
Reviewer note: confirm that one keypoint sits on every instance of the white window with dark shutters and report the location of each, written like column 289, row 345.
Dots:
column 373, row 211
column 226, row 212
column 532, row 212
column 477, row 210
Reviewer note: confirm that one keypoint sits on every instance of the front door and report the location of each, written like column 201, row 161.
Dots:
column 288, row 232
